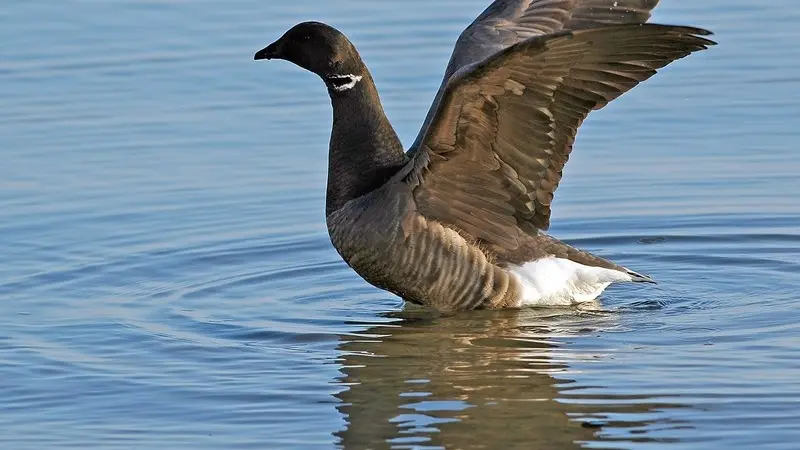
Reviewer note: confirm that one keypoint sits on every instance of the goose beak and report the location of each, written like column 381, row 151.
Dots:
column 268, row 52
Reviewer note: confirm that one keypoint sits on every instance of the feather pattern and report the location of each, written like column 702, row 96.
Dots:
column 506, row 125
column 508, row 22
column 418, row 259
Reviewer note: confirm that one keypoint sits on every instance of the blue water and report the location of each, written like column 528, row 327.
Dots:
column 166, row 280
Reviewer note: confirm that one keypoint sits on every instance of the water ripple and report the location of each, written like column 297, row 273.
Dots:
column 167, row 279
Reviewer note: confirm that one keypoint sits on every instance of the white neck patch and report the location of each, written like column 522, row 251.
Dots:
column 341, row 83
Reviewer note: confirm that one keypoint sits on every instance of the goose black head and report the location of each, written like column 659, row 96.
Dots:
column 321, row 49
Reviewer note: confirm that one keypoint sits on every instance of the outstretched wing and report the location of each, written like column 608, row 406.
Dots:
column 508, row 22
column 491, row 158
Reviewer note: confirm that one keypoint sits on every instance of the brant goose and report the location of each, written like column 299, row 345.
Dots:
column 458, row 222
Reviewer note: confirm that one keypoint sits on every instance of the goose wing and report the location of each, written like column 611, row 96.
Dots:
column 508, row 22
column 492, row 155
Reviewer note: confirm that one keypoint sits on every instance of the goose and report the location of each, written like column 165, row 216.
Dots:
column 459, row 221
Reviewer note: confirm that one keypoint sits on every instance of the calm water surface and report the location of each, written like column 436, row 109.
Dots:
column 166, row 280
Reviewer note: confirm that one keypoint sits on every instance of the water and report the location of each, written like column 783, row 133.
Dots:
column 167, row 281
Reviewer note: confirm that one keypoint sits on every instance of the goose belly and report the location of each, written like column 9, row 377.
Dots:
column 555, row 281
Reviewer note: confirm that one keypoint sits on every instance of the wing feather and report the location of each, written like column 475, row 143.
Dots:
column 508, row 22
column 492, row 157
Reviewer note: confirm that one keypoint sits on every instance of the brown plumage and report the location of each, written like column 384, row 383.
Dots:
column 455, row 223
column 504, row 127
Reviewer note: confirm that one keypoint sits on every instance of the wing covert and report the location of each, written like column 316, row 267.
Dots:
column 508, row 22
column 492, row 157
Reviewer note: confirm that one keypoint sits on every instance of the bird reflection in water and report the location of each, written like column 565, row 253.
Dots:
column 489, row 379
